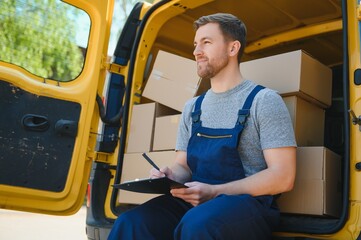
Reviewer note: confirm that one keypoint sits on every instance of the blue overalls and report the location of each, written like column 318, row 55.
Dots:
column 213, row 158
column 212, row 154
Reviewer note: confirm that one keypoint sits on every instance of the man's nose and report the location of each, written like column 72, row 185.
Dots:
column 197, row 51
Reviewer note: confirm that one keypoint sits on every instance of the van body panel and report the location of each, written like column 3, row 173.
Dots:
column 56, row 162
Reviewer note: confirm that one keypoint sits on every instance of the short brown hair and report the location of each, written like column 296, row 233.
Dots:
column 231, row 27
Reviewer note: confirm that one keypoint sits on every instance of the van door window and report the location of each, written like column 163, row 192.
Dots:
column 47, row 38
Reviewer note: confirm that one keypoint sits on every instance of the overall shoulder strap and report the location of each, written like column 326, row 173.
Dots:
column 243, row 113
column 196, row 114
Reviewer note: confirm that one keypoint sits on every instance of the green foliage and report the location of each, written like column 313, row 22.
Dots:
column 39, row 35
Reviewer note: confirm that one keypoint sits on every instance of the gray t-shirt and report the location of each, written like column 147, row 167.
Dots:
column 268, row 126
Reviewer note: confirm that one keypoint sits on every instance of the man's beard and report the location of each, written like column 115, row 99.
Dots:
column 212, row 68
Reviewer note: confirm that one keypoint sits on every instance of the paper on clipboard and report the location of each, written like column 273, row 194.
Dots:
column 150, row 185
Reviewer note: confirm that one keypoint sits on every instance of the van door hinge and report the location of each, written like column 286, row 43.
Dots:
column 112, row 67
column 102, row 157
column 90, row 155
column 355, row 120
column 115, row 68
column 97, row 156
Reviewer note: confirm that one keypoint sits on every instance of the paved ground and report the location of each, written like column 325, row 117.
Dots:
column 16, row 225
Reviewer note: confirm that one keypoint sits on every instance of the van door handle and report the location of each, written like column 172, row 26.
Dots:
column 35, row 123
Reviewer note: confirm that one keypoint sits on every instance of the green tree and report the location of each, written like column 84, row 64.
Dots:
column 39, row 35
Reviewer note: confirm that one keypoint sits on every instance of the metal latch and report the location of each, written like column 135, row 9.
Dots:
column 112, row 67
column 355, row 120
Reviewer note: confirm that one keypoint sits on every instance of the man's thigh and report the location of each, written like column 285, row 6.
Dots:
column 231, row 217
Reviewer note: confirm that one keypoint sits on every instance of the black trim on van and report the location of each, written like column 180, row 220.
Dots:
column 123, row 135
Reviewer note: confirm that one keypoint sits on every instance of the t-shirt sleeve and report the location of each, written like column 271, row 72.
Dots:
column 274, row 122
column 184, row 127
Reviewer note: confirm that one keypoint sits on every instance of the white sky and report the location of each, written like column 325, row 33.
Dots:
column 83, row 25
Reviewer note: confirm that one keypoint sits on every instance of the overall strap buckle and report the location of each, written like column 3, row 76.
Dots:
column 244, row 112
column 196, row 114
column 242, row 116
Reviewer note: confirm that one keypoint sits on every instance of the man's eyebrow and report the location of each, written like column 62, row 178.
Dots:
column 202, row 39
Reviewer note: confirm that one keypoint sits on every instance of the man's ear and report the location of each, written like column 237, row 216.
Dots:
column 234, row 48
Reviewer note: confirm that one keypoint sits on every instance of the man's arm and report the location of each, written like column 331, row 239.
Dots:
column 278, row 177
column 180, row 170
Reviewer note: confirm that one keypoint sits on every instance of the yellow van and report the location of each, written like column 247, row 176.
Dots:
column 74, row 117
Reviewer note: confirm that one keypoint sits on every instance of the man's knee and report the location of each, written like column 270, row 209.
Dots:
column 195, row 225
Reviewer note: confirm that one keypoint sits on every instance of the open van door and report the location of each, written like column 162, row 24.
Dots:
column 46, row 119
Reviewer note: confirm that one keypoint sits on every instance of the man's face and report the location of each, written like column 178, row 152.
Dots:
column 210, row 50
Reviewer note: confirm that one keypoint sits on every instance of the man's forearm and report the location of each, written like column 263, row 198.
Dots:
column 181, row 173
column 265, row 182
column 277, row 178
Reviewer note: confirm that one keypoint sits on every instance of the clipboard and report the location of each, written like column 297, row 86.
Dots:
column 150, row 185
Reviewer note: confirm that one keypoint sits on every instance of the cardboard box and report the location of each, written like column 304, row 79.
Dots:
column 173, row 80
column 165, row 132
column 292, row 73
column 308, row 121
column 135, row 166
column 142, row 126
column 317, row 189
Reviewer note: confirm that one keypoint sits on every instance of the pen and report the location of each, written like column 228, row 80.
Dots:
column 150, row 161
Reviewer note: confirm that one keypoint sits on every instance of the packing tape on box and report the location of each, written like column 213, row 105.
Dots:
column 157, row 74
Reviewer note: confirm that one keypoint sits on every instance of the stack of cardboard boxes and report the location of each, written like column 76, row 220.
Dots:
column 306, row 87
column 303, row 82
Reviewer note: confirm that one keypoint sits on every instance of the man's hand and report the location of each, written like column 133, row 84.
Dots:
column 179, row 171
column 164, row 172
column 196, row 193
